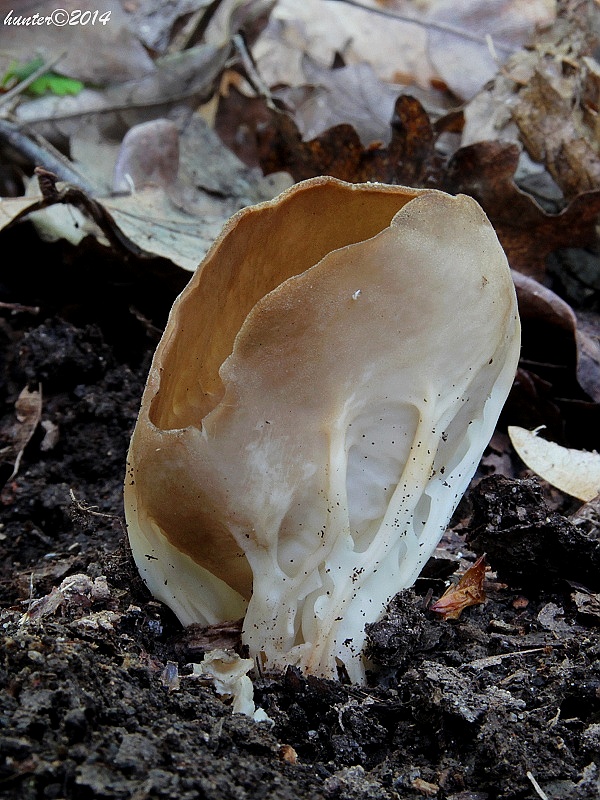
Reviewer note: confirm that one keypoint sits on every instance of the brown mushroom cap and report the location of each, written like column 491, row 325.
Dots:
column 320, row 399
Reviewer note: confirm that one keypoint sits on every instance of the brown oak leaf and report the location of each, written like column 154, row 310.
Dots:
column 528, row 234
column 409, row 159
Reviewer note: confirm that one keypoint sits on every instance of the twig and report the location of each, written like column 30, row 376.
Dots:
column 492, row 661
column 90, row 509
column 538, row 789
column 251, row 71
column 20, row 87
column 431, row 24
column 40, row 152
column 73, row 195
column 20, row 307
column 194, row 29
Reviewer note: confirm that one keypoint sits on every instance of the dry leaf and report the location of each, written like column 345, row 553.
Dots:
column 485, row 170
column 154, row 19
column 588, row 352
column 546, row 97
column 77, row 590
column 410, row 158
column 148, row 156
column 588, row 605
column 98, row 54
column 558, row 381
column 427, row 41
column 467, row 592
column 397, row 50
column 352, row 94
column 502, row 26
column 556, row 114
column 558, row 344
column 549, row 336
column 179, row 223
column 173, row 81
column 28, row 412
column 575, row 472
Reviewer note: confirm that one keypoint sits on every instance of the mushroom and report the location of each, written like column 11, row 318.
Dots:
column 320, row 399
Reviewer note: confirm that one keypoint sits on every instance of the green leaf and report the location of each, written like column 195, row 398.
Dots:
column 51, row 83
column 48, row 83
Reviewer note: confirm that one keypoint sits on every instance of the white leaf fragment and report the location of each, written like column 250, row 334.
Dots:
column 576, row 472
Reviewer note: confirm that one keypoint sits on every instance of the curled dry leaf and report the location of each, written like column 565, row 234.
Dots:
column 148, row 156
column 588, row 605
column 550, row 347
column 558, row 381
column 588, row 352
column 467, row 592
column 557, row 113
column 28, row 412
column 575, row 472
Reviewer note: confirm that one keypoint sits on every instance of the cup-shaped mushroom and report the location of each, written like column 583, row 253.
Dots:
column 320, row 399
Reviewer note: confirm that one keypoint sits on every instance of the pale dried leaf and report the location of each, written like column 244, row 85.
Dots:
column 588, row 604
column 546, row 99
column 352, row 94
column 438, row 45
column 150, row 219
column 552, row 617
column 154, row 19
column 179, row 222
column 575, row 472
column 93, row 53
column 148, row 156
column 11, row 206
column 554, row 127
column 466, row 65
column 396, row 50
column 190, row 75
column 14, row 439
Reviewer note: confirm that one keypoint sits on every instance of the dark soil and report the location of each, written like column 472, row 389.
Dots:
column 502, row 703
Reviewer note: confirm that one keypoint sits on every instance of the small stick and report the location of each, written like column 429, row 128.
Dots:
column 22, row 85
column 436, row 26
column 20, row 307
column 80, row 506
column 251, row 71
column 41, row 152
column 492, row 661
column 539, row 791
